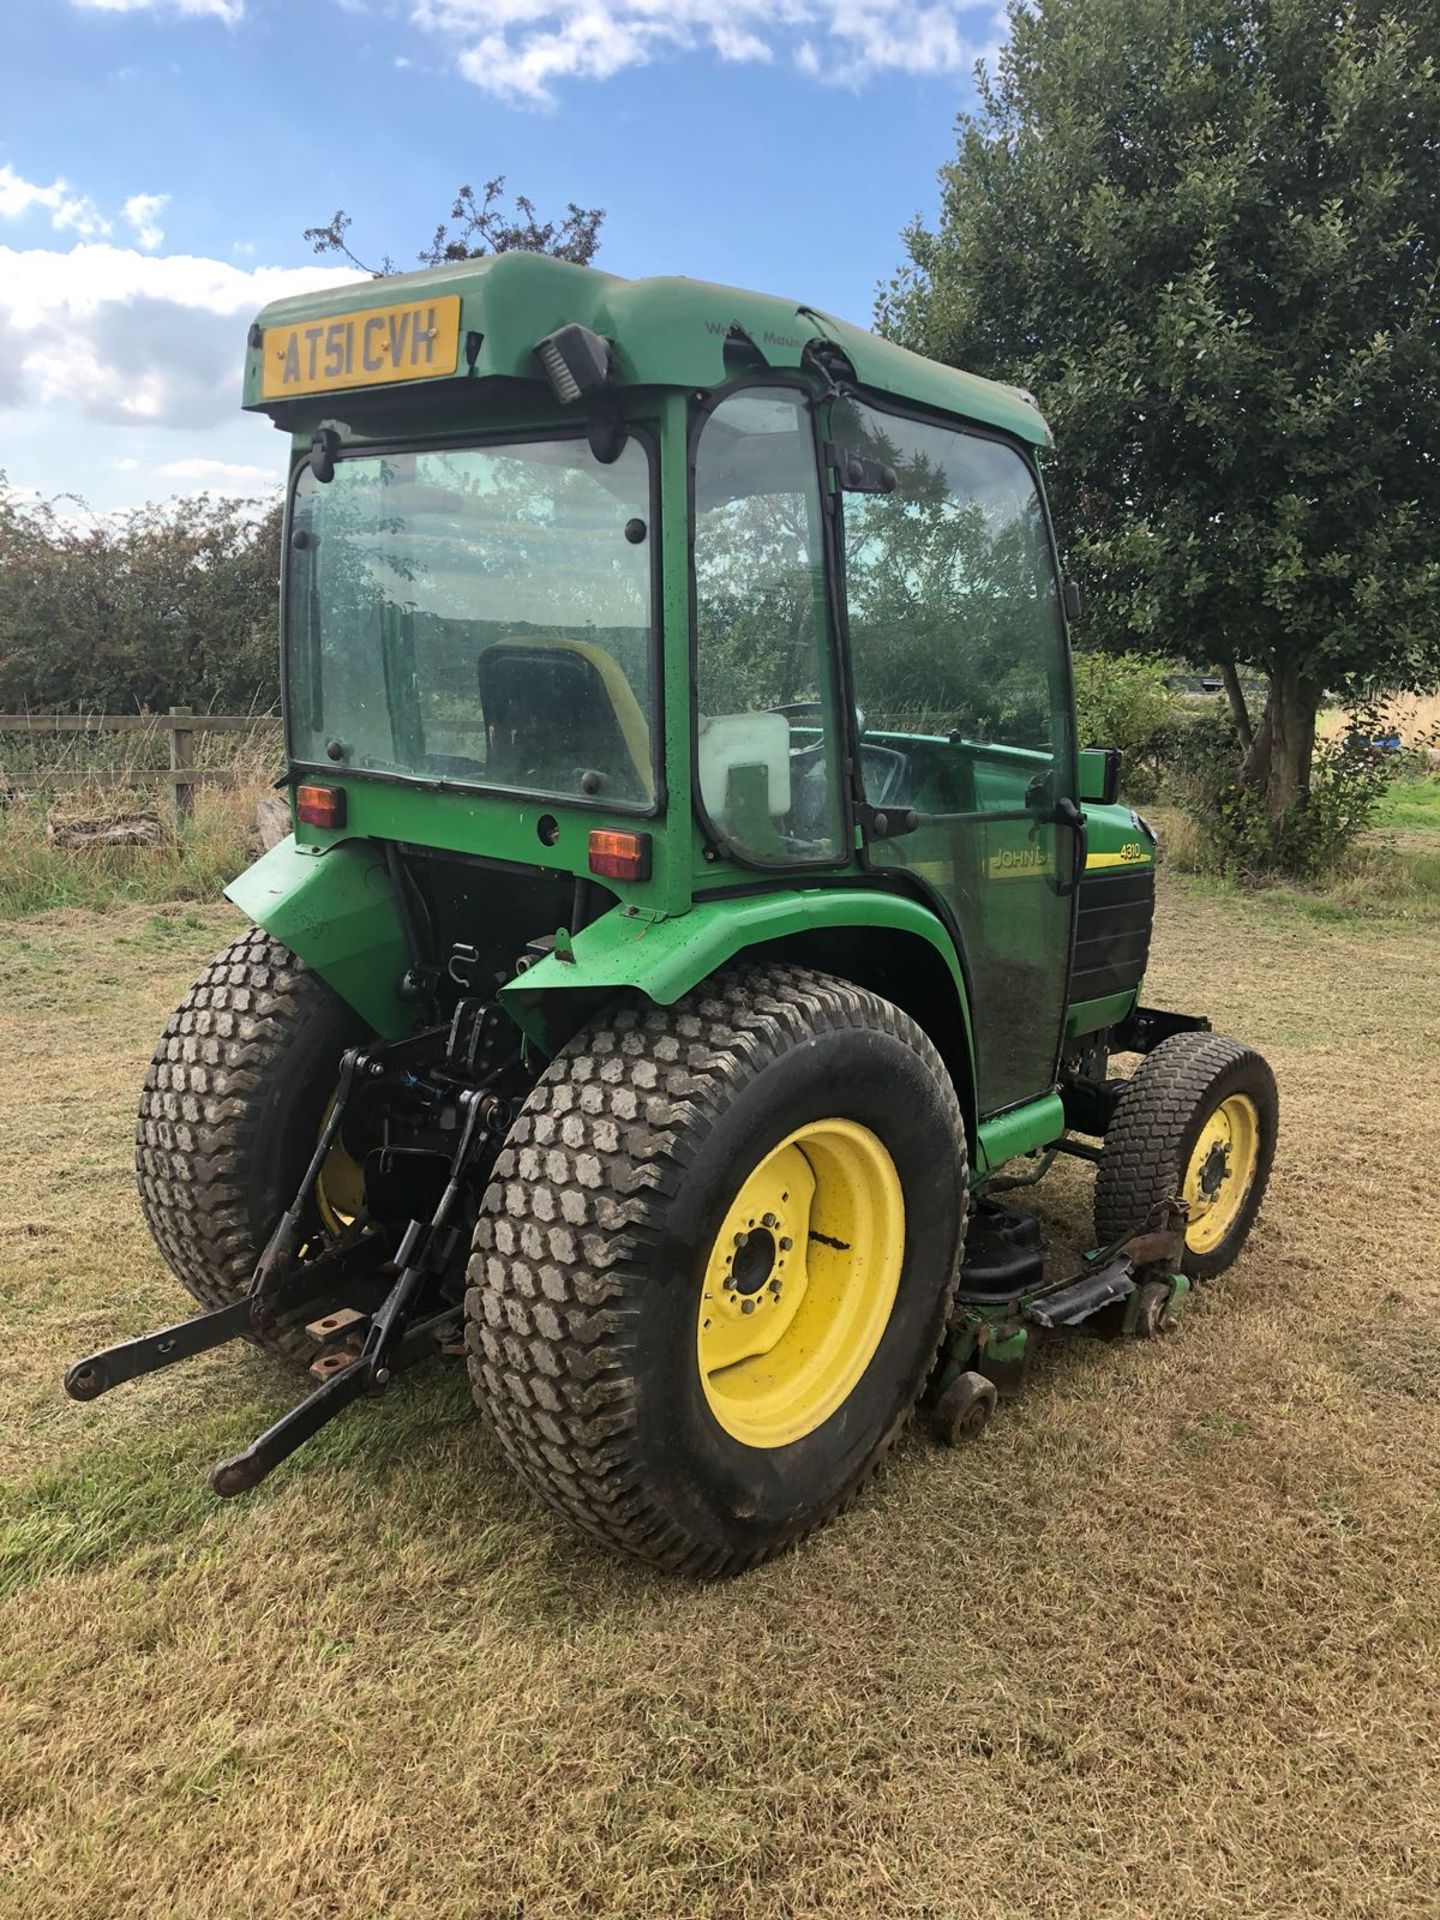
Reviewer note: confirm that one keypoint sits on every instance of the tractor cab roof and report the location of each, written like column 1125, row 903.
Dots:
column 482, row 320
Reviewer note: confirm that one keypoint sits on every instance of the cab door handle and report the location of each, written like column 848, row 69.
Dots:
column 1068, row 814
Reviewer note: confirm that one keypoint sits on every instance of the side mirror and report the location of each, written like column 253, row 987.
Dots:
column 1100, row 775
column 323, row 449
column 1074, row 605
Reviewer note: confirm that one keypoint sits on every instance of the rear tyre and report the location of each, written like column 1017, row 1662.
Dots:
column 1198, row 1121
column 229, row 1114
column 715, row 1264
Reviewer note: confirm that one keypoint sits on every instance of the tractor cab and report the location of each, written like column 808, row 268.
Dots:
column 694, row 595
column 698, row 912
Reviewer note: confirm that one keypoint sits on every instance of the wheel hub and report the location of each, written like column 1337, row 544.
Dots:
column 1215, row 1170
column 753, row 1261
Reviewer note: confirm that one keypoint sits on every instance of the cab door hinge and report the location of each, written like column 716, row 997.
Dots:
column 885, row 823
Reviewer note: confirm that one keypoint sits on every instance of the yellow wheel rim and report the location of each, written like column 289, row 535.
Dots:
column 800, row 1283
column 1221, row 1172
column 340, row 1186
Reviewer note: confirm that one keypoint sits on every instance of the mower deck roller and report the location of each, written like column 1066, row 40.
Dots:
column 646, row 1004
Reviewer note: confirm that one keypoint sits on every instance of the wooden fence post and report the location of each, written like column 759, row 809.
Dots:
column 182, row 755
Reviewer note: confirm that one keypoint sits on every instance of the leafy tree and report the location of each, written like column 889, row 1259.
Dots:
column 480, row 224
column 1206, row 233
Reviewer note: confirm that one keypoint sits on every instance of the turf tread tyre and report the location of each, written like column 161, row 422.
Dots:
column 1152, row 1130
column 575, row 1213
column 217, row 1082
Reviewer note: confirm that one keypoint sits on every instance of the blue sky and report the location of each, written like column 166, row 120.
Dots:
column 160, row 158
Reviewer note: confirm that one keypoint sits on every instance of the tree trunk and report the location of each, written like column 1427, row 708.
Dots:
column 1277, row 764
column 1239, row 712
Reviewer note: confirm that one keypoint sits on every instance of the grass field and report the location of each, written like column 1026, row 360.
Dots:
column 1166, row 1643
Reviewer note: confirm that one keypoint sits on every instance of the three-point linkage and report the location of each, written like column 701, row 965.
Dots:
column 385, row 1277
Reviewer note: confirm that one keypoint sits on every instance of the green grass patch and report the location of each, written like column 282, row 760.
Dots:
column 1411, row 806
column 149, row 1487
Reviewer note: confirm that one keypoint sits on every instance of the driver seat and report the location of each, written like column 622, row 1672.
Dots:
column 556, row 707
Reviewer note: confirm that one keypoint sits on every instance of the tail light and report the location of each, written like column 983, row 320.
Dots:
column 320, row 806
column 620, row 856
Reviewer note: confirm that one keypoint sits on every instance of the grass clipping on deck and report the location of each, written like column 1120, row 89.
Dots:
column 1165, row 1643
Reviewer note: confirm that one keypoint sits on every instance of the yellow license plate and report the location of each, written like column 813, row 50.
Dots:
column 416, row 340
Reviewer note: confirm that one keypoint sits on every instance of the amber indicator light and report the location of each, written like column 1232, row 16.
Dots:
column 620, row 856
column 320, row 806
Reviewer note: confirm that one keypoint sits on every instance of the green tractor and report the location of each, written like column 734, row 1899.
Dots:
column 698, row 913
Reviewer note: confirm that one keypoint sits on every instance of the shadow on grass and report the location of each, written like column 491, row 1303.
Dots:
column 412, row 1476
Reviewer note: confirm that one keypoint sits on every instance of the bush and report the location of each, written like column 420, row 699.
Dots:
column 147, row 608
column 1121, row 700
column 1236, row 835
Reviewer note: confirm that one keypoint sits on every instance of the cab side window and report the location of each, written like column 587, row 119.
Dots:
column 766, row 758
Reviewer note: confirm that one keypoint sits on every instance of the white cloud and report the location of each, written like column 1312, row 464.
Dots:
column 221, row 476
column 69, row 212
column 143, row 211
column 127, row 465
column 130, row 337
column 230, row 11
column 519, row 49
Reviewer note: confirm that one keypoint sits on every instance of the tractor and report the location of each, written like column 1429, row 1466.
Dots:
column 699, row 924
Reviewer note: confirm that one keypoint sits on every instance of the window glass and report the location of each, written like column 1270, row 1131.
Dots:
column 950, row 587
column 764, row 680
column 480, row 614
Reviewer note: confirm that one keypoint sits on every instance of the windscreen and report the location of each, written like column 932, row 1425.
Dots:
column 479, row 615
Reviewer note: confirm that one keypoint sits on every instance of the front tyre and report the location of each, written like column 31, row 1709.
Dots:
column 715, row 1263
column 1197, row 1122
column 229, row 1114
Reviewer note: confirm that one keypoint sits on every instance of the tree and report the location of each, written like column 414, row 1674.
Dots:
column 1206, row 234
column 480, row 224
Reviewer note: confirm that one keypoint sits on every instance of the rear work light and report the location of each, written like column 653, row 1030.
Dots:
column 620, row 856
column 320, row 806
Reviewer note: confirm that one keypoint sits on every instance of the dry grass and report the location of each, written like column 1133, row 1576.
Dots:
column 191, row 863
column 1414, row 716
column 1166, row 1643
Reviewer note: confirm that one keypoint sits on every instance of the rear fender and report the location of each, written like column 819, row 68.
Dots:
column 627, row 952
column 334, row 908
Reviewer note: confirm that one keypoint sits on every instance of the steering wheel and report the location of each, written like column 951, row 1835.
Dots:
column 814, row 710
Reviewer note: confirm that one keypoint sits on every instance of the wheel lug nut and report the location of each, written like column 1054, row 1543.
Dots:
column 747, row 1306
column 770, row 1221
column 786, row 1245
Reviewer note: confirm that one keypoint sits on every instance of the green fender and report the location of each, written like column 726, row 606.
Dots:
column 335, row 907
column 665, row 958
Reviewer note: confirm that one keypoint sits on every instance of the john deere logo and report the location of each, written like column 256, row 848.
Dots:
column 1011, row 862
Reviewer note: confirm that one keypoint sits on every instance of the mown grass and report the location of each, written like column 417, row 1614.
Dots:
column 1166, row 1643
